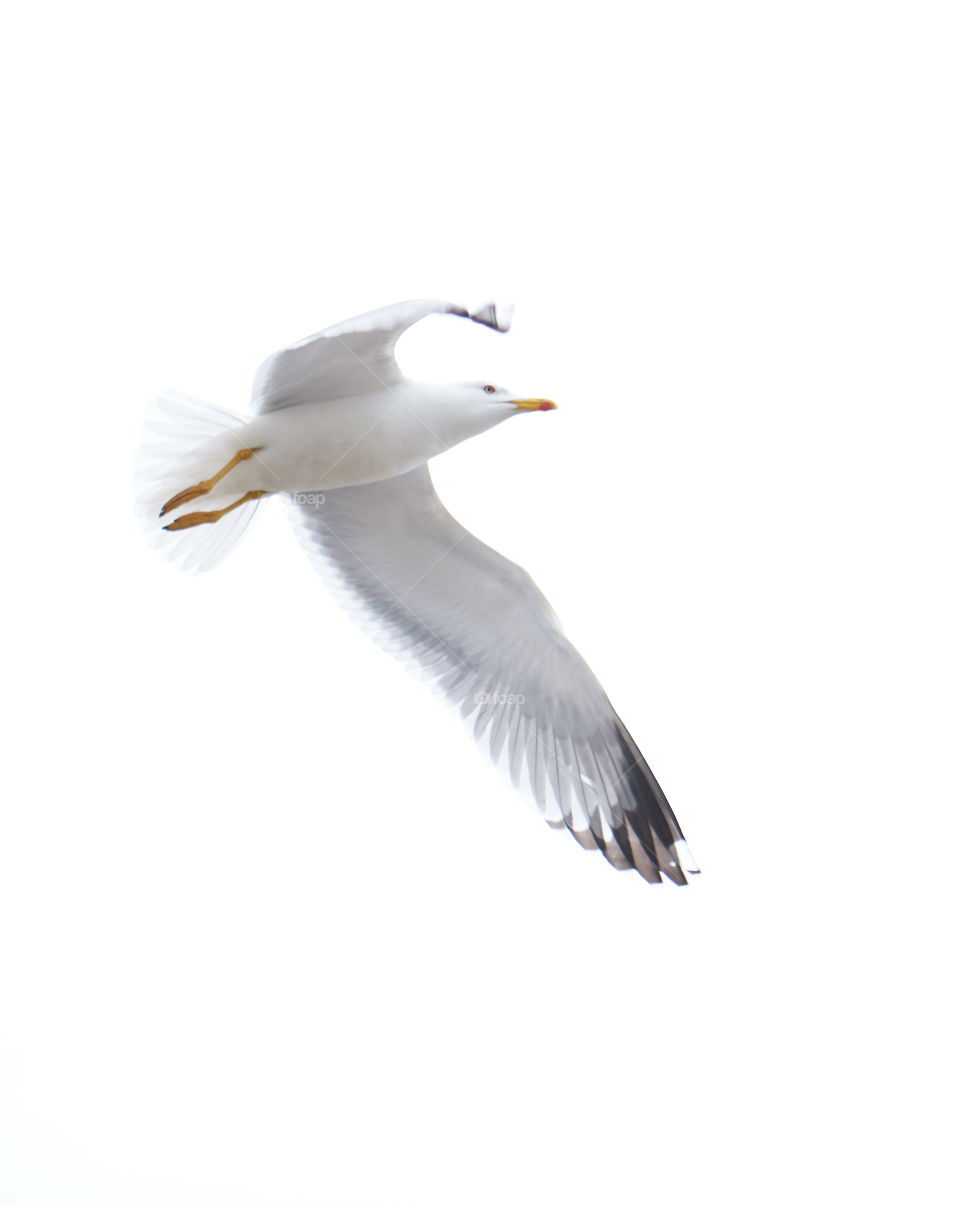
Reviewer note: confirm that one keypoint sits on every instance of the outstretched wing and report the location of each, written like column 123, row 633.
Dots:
column 353, row 357
column 478, row 628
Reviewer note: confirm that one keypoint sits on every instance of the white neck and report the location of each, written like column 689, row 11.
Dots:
column 453, row 412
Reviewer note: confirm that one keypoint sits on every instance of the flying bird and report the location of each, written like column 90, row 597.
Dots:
column 346, row 437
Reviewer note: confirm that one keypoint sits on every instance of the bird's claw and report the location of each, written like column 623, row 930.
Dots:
column 198, row 517
column 192, row 492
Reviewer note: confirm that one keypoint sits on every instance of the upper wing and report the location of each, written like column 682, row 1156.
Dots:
column 353, row 357
column 477, row 626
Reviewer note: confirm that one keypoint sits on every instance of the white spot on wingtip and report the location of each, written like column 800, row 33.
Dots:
column 686, row 858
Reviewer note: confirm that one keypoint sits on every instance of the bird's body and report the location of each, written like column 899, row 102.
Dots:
column 346, row 437
column 346, row 441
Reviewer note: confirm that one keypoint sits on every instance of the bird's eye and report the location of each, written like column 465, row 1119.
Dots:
column 489, row 389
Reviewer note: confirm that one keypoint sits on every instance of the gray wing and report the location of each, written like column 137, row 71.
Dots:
column 476, row 626
column 353, row 357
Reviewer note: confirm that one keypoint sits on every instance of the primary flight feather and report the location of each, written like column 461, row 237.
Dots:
column 346, row 437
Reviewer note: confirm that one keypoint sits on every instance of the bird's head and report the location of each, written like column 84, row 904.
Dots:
column 457, row 412
column 495, row 400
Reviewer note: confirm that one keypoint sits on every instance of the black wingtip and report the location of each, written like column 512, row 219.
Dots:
column 651, row 820
column 497, row 317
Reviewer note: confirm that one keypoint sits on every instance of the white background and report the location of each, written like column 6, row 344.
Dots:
column 270, row 931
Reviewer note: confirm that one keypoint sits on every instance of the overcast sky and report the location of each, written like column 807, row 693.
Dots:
column 271, row 932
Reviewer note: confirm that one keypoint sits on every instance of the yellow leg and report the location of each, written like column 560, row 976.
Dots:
column 193, row 492
column 198, row 517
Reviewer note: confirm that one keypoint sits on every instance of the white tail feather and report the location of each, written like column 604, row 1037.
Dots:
column 175, row 429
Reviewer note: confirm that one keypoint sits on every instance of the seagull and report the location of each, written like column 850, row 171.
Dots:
column 346, row 437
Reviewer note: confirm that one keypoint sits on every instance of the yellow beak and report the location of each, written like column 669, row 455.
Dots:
column 534, row 404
